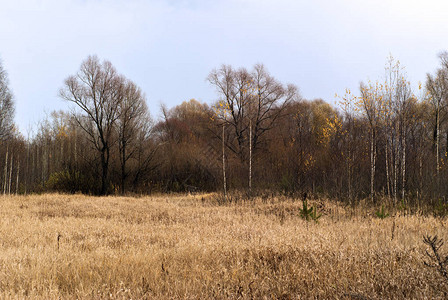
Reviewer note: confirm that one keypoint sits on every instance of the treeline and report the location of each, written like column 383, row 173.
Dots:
column 386, row 141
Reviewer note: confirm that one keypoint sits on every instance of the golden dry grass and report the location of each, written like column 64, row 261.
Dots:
column 186, row 247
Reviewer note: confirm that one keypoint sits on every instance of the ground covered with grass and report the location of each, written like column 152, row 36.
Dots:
column 189, row 247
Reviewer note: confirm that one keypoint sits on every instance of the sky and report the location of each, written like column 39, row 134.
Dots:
column 168, row 47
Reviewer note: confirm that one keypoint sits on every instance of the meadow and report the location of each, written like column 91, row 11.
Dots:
column 188, row 247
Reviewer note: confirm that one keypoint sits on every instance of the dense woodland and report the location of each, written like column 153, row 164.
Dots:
column 383, row 141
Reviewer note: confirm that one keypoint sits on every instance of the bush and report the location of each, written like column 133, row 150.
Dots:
column 308, row 213
column 382, row 213
column 441, row 209
column 71, row 182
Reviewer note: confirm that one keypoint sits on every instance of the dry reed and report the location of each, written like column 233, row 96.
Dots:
column 186, row 247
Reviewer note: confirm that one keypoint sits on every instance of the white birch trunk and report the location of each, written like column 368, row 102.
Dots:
column 396, row 155
column 437, row 149
column 387, row 166
column 372, row 164
column 250, row 157
column 6, row 173
column 17, row 178
column 403, row 164
column 10, row 175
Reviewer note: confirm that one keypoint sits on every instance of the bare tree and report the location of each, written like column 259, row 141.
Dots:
column 6, row 106
column 5, row 185
column 394, row 116
column 267, row 103
column 403, row 92
column 97, row 91
column 254, row 100
column 371, row 98
column 133, row 115
column 437, row 88
column 255, row 96
column 144, row 155
column 224, row 162
column 231, row 85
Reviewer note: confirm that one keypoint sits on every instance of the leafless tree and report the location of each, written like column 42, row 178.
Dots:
column 371, row 104
column 395, row 123
column 6, row 106
column 133, row 116
column 97, row 91
column 256, row 97
column 254, row 101
column 438, row 88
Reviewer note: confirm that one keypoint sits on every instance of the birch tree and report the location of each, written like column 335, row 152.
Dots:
column 255, row 100
column 437, row 91
column 349, row 106
column 221, row 111
column 397, row 93
column 371, row 102
column 6, row 106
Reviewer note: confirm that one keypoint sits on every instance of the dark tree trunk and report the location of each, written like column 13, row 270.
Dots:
column 105, row 171
column 123, row 169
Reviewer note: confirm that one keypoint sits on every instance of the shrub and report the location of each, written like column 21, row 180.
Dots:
column 441, row 209
column 382, row 214
column 70, row 182
column 308, row 213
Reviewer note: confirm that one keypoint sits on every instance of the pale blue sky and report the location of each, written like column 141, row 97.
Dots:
column 168, row 47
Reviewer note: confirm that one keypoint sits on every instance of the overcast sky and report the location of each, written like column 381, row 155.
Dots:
column 168, row 47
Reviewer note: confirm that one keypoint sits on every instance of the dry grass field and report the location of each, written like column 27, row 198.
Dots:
column 188, row 247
